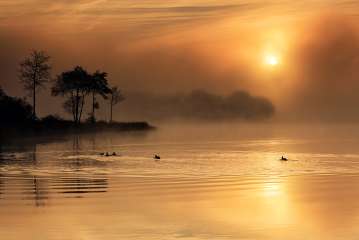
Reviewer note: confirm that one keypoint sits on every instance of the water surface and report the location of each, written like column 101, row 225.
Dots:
column 212, row 182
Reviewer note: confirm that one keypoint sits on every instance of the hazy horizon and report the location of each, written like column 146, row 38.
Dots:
column 166, row 49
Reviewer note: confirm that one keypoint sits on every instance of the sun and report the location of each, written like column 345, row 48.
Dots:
column 271, row 59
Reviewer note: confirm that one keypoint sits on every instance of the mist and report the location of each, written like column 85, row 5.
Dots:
column 198, row 105
column 316, row 80
column 324, row 71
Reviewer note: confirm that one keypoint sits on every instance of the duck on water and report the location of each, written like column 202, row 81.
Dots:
column 107, row 154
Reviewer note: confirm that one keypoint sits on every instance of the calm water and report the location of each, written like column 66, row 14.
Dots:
column 213, row 182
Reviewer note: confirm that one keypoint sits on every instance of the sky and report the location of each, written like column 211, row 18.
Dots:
column 301, row 55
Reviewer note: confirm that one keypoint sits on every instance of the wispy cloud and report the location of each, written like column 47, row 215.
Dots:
column 143, row 10
column 90, row 12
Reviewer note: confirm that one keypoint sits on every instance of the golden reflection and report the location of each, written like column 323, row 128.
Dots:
column 272, row 189
column 201, row 210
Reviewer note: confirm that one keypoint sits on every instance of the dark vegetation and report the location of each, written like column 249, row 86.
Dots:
column 17, row 117
column 75, row 86
column 14, row 111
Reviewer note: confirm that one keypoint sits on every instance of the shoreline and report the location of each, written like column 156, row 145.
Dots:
column 68, row 127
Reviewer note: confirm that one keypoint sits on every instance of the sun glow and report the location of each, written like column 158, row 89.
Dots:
column 271, row 60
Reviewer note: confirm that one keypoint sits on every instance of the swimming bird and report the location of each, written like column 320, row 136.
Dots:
column 114, row 154
column 284, row 159
column 107, row 154
column 157, row 157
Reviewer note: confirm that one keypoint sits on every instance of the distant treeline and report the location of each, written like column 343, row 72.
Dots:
column 198, row 105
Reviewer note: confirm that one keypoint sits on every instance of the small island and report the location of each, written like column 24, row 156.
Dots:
column 77, row 85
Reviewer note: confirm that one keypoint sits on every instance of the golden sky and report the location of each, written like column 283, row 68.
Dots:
column 116, row 15
column 277, row 49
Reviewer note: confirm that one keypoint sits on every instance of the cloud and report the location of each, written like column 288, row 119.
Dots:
column 118, row 12
column 178, row 10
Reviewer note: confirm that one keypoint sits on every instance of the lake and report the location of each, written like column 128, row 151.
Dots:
column 214, row 181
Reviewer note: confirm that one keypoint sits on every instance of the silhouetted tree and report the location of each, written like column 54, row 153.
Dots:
column 99, row 86
column 75, row 85
column 13, row 110
column 2, row 93
column 34, row 72
column 116, row 97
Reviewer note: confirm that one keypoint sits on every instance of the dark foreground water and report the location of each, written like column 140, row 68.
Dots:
column 213, row 182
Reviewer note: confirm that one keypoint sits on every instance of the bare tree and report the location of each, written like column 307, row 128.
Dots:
column 34, row 73
column 116, row 97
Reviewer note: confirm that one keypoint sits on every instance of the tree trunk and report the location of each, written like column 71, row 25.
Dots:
column 111, row 104
column 82, row 106
column 73, row 106
column 93, row 106
column 77, row 107
column 34, row 99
